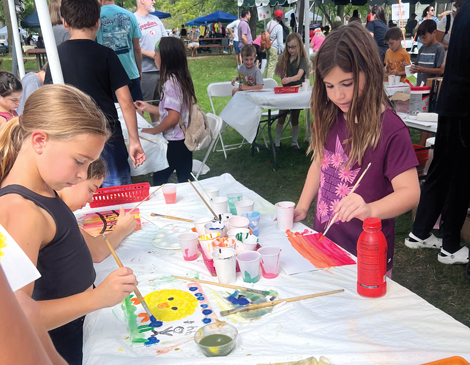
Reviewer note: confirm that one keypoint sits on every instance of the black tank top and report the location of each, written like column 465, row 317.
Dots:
column 65, row 263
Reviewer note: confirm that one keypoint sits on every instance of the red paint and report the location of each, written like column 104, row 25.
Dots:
column 170, row 198
column 371, row 259
column 189, row 258
column 145, row 317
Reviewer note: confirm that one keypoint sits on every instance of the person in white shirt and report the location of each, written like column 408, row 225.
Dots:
column 152, row 31
column 233, row 30
column 444, row 27
column 277, row 46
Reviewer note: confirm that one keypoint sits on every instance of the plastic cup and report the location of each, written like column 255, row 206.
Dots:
column 285, row 215
column 232, row 199
column 206, row 243
column 270, row 261
column 225, row 265
column 234, row 231
column 214, row 227
column 247, row 244
column 305, row 85
column 391, row 80
column 408, row 71
column 238, row 222
column 169, row 193
column 254, row 218
column 225, row 217
column 224, row 242
column 200, row 223
column 244, row 206
column 249, row 266
column 188, row 243
column 219, row 205
column 212, row 192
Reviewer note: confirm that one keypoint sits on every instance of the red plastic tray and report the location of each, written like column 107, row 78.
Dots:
column 286, row 89
column 120, row 195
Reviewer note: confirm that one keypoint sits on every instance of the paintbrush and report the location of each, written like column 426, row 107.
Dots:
column 171, row 217
column 148, row 140
column 274, row 302
column 336, row 215
column 136, row 291
column 146, row 198
column 207, row 205
column 254, row 291
column 195, row 178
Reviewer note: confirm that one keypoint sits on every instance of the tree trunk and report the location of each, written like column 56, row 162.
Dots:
column 252, row 22
column 326, row 14
column 300, row 27
column 6, row 13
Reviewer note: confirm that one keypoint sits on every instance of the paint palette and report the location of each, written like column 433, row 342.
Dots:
column 167, row 237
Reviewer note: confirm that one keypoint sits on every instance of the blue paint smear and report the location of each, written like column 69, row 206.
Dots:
column 200, row 298
column 204, row 305
column 199, row 294
column 193, row 288
column 154, row 322
column 207, row 320
column 237, row 301
column 151, row 341
column 206, row 312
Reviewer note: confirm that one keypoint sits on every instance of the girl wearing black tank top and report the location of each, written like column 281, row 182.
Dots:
column 49, row 148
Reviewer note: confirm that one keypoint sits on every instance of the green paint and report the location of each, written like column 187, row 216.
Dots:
column 129, row 312
column 249, row 279
column 215, row 340
column 145, row 329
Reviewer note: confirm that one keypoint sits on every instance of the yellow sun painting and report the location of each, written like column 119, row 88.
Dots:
column 171, row 304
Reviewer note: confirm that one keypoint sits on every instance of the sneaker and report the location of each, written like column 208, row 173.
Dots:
column 431, row 242
column 225, row 52
column 459, row 257
column 295, row 147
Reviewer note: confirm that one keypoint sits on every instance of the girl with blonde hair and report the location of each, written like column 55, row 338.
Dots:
column 47, row 149
column 354, row 125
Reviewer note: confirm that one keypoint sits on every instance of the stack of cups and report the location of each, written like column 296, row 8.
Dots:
column 285, row 215
column 225, row 265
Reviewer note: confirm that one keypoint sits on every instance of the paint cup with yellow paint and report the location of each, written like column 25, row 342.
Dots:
column 225, row 264
column 206, row 243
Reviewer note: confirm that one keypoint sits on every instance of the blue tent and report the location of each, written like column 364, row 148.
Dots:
column 218, row 16
column 194, row 21
column 161, row 14
column 31, row 21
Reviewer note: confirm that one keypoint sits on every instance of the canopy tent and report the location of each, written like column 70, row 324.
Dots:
column 216, row 17
column 4, row 31
column 313, row 17
column 161, row 14
column 193, row 22
column 31, row 21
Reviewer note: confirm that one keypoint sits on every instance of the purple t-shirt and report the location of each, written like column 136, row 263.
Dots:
column 244, row 28
column 173, row 99
column 393, row 155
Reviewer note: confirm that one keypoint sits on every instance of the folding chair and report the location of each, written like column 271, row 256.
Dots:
column 221, row 90
column 215, row 124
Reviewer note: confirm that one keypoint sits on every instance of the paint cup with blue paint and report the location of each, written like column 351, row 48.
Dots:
column 225, row 264
column 200, row 223
column 254, row 218
column 249, row 266
column 270, row 261
column 232, row 199
column 215, row 227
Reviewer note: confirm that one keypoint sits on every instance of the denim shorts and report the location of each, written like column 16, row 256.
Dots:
column 235, row 46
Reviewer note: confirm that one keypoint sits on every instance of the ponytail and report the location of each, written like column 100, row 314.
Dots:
column 11, row 139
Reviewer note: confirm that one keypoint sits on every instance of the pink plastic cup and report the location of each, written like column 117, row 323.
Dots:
column 169, row 193
column 270, row 261
column 188, row 242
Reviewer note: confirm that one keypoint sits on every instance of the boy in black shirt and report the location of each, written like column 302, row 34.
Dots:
column 97, row 71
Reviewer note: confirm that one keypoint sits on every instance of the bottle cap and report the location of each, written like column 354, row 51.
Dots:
column 372, row 223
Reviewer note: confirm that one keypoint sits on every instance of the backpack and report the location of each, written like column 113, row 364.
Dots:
column 198, row 134
column 266, row 38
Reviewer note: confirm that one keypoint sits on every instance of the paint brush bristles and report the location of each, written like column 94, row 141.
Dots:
column 161, row 186
column 352, row 191
column 207, row 205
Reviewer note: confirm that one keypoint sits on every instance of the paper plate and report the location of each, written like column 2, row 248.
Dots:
column 167, row 237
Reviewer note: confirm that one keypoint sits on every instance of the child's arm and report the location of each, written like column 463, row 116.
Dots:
column 405, row 196
column 234, row 80
column 432, row 71
column 136, row 153
column 146, row 107
column 309, row 192
column 98, row 248
column 169, row 122
column 3, row 121
column 287, row 80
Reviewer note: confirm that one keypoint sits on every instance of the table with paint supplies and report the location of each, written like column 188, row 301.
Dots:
column 225, row 277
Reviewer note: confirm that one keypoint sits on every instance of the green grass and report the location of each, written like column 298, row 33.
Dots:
column 444, row 286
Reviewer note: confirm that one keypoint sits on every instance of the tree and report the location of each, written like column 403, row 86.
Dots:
column 6, row 14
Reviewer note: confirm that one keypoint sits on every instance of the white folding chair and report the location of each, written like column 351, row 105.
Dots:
column 215, row 124
column 221, row 90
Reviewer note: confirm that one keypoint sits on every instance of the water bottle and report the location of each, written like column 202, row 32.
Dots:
column 371, row 259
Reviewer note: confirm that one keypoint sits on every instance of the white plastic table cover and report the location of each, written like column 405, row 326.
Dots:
column 399, row 328
column 243, row 111
column 155, row 151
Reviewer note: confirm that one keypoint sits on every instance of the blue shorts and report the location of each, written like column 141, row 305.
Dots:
column 235, row 45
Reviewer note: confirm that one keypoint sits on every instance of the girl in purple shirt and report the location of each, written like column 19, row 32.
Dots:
column 354, row 125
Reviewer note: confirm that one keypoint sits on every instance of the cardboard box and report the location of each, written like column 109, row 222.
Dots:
column 465, row 232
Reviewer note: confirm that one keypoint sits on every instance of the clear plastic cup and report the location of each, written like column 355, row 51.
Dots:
column 169, row 193
column 232, row 199
column 212, row 192
column 200, row 223
column 270, row 261
column 206, row 244
column 215, row 227
column 219, row 205
column 188, row 242
column 254, row 218
column 249, row 266
column 244, row 206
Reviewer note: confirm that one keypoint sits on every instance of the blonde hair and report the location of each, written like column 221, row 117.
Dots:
column 353, row 50
column 97, row 170
column 284, row 58
column 54, row 12
column 61, row 111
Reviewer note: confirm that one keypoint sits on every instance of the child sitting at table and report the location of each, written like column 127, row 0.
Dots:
column 77, row 196
column 10, row 94
column 396, row 57
column 249, row 76
column 293, row 67
column 354, row 125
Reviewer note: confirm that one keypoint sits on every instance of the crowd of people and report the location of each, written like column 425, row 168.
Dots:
column 59, row 143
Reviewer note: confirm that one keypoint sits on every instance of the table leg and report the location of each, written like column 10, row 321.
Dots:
column 273, row 147
column 38, row 60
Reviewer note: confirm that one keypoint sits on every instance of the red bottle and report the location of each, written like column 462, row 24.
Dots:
column 371, row 259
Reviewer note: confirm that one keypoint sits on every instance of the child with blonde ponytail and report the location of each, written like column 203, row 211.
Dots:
column 47, row 149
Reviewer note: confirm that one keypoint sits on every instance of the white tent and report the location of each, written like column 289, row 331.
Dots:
column 313, row 17
column 4, row 31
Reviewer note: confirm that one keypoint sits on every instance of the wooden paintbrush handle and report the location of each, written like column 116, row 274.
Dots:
column 221, row 285
column 171, row 217
column 207, row 205
column 146, row 198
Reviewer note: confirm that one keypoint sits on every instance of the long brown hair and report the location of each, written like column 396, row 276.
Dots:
column 284, row 58
column 62, row 111
column 353, row 50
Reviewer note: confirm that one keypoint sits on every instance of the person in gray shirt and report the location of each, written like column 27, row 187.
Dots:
column 249, row 76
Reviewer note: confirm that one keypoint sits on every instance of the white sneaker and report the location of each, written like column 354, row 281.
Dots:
column 430, row 242
column 225, row 52
column 459, row 257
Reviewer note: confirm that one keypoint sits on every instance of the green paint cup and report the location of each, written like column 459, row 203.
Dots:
column 232, row 199
column 249, row 266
